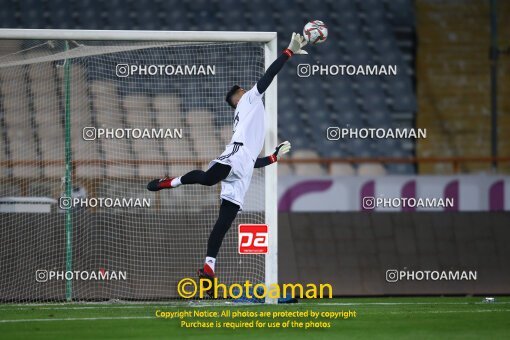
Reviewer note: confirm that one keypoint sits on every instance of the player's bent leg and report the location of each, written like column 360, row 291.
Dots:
column 215, row 174
column 228, row 212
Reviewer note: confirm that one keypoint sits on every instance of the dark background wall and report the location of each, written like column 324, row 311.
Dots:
column 353, row 251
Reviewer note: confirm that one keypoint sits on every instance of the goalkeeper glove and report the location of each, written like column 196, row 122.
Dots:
column 297, row 42
column 280, row 150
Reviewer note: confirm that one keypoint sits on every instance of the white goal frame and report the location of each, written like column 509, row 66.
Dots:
column 270, row 52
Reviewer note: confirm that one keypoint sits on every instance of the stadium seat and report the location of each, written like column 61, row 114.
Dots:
column 307, row 169
column 200, row 119
column 402, row 12
column 46, row 104
column 3, row 169
column 207, row 147
column 371, row 169
column 54, row 170
column 85, row 152
column 177, row 149
column 146, row 150
column 226, row 134
column 285, row 169
column 197, row 122
column 23, row 148
column 342, row 169
column 40, row 70
column 118, row 150
column 136, row 103
column 17, row 112
column 168, row 111
column 150, row 171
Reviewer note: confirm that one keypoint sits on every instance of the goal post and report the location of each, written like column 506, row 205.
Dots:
column 271, row 174
column 59, row 76
column 68, row 171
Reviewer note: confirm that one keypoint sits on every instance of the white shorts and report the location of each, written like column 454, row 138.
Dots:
column 235, row 186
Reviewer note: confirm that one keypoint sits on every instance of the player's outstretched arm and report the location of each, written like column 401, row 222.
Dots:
column 280, row 150
column 297, row 42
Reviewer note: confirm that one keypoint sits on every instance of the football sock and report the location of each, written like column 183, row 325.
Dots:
column 176, row 182
column 209, row 265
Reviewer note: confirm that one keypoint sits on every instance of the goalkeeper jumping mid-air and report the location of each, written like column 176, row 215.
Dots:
column 234, row 167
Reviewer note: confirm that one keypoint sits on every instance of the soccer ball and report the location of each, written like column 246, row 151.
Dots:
column 315, row 32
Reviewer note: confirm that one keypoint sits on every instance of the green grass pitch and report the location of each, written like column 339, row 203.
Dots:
column 381, row 318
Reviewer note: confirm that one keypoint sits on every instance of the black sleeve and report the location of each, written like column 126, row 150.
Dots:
column 271, row 72
column 265, row 161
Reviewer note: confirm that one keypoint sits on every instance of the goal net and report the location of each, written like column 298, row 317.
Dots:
column 85, row 124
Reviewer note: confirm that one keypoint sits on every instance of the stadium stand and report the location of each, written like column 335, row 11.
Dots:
column 453, row 67
column 361, row 32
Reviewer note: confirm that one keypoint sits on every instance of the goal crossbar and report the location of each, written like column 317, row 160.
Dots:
column 202, row 36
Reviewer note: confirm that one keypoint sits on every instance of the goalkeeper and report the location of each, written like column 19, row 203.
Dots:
column 234, row 167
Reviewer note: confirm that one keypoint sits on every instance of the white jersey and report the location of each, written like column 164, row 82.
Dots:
column 249, row 123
